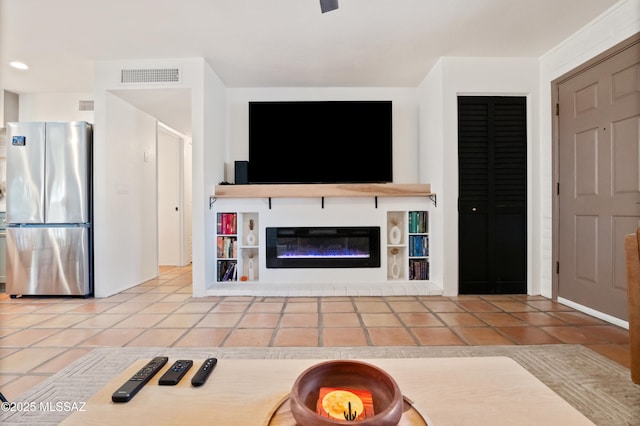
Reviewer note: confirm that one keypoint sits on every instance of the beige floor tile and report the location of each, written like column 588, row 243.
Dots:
column 102, row 321
column 26, row 337
column 296, row 337
column 301, row 307
column 372, row 307
column 203, row 337
column 140, row 321
column 24, row 321
column 500, row 319
column 231, row 306
column 380, row 320
column 92, row 308
column 538, row 318
column 406, row 306
column 158, row 337
column 57, row 308
column 178, row 298
column 195, row 307
column 345, row 336
column 128, row 308
column 113, row 337
column 347, row 319
column 477, row 306
column 224, row 320
column 299, row 320
column 27, row 359
column 442, row 306
column 260, row 337
column 513, row 306
column 390, row 336
column 68, row 337
column 162, row 308
column 528, row 335
column 148, row 297
column 180, row 320
column 266, row 307
column 460, row 319
column 437, row 336
column 572, row 334
column 577, row 318
column 482, row 336
column 336, row 306
column 63, row 321
column 420, row 319
column 261, row 320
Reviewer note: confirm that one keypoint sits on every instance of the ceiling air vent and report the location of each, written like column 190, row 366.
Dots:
column 85, row 106
column 153, row 75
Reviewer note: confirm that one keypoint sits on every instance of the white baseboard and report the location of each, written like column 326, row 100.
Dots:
column 594, row 313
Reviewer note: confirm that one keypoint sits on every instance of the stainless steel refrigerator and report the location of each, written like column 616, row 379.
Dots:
column 49, row 209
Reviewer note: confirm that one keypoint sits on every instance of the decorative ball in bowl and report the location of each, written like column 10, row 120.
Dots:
column 346, row 392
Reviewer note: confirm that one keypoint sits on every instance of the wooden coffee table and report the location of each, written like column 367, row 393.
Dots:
column 444, row 391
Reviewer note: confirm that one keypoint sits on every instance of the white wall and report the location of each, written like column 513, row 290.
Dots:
column 438, row 94
column 54, row 107
column 405, row 120
column 430, row 152
column 208, row 107
column 125, row 204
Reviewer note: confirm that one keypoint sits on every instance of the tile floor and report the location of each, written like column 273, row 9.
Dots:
column 40, row 336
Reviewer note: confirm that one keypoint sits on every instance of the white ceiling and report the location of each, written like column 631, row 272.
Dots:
column 276, row 43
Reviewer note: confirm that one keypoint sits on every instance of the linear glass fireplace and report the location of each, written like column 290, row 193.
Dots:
column 323, row 247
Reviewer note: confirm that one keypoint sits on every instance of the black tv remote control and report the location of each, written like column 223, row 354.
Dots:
column 173, row 375
column 138, row 380
column 203, row 372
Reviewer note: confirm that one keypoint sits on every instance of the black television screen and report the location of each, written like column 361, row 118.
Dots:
column 320, row 142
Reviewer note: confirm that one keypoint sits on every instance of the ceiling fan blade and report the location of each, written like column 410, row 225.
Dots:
column 328, row 5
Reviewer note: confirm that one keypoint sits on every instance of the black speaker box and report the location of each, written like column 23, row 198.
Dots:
column 241, row 172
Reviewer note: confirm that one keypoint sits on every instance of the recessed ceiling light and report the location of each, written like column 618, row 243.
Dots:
column 19, row 65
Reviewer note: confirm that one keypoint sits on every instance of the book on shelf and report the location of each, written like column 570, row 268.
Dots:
column 418, row 269
column 418, row 222
column 227, row 247
column 227, row 270
column 418, row 245
column 227, row 223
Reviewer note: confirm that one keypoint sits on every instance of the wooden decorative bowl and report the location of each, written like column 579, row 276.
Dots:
column 386, row 395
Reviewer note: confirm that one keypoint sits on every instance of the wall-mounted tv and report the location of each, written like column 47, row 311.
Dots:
column 320, row 142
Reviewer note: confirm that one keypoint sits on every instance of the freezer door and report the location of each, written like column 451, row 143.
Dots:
column 48, row 261
column 68, row 171
column 25, row 172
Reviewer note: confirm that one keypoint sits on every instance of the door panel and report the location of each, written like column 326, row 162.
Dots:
column 68, row 171
column 492, row 159
column 599, row 180
column 48, row 261
column 25, row 172
column 169, row 182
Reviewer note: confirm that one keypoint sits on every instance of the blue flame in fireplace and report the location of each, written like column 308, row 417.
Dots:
column 296, row 251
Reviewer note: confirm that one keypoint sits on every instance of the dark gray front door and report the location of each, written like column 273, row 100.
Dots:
column 492, row 171
column 599, row 180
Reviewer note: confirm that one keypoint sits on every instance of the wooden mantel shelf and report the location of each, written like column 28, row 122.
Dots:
column 324, row 190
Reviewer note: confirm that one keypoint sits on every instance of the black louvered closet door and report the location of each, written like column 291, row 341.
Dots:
column 492, row 171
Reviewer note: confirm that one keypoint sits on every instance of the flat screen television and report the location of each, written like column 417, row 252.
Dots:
column 320, row 142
